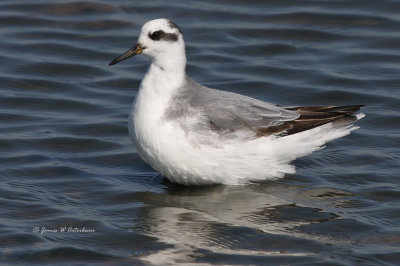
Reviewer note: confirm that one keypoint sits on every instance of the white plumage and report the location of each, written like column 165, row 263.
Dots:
column 195, row 135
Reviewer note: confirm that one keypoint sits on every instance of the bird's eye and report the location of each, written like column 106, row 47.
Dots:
column 155, row 36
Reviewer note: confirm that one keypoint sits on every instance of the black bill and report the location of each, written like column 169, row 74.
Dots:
column 131, row 52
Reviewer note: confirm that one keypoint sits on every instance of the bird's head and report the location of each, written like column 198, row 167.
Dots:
column 161, row 40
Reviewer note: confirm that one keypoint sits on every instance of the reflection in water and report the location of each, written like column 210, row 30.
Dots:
column 198, row 220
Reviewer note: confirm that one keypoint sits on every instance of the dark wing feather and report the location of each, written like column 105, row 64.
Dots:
column 311, row 117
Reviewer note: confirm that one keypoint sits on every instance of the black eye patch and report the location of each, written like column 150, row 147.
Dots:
column 157, row 35
column 161, row 35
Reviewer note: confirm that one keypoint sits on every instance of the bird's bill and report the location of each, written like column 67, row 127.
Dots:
column 131, row 52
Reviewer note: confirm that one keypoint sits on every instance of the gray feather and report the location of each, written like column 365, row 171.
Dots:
column 226, row 112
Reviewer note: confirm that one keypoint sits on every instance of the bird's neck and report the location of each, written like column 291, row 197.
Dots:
column 171, row 62
column 160, row 84
column 167, row 72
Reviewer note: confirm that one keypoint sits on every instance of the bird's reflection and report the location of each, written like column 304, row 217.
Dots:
column 221, row 219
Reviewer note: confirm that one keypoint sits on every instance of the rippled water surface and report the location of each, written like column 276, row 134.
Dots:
column 67, row 163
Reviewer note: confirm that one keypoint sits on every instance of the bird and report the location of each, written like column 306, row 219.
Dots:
column 195, row 135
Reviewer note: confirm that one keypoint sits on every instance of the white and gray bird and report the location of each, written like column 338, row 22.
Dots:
column 195, row 135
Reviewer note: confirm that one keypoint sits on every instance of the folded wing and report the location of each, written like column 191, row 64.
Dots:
column 229, row 113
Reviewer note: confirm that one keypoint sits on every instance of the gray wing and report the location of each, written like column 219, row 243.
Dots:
column 229, row 112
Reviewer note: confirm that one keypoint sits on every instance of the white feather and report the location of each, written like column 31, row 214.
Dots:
column 186, row 150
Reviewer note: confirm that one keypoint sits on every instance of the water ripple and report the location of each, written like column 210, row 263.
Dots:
column 67, row 161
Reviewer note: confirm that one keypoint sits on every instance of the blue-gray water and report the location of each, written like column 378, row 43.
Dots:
column 66, row 159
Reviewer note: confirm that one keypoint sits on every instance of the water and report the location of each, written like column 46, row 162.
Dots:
column 67, row 162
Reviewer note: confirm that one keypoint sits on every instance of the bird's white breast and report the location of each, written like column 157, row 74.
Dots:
column 148, row 128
